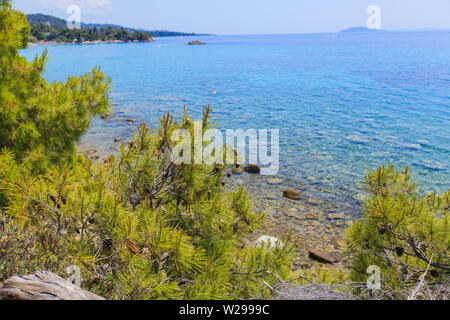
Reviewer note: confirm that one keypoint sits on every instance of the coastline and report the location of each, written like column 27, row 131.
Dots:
column 314, row 224
column 50, row 43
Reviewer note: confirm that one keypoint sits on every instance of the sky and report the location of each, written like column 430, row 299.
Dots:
column 249, row 16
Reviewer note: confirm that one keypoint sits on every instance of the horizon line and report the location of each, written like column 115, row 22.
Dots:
column 419, row 29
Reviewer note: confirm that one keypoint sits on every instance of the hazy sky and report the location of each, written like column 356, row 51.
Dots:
column 250, row 16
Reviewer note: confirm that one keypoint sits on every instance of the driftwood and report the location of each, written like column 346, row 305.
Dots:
column 43, row 285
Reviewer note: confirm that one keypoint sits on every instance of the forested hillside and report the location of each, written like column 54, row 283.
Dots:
column 50, row 28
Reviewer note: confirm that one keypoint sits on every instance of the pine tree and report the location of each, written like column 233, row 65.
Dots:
column 138, row 226
column 403, row 231
column 40, row 122
column 141, row 227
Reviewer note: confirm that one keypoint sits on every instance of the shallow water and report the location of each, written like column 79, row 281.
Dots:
column 343, row 104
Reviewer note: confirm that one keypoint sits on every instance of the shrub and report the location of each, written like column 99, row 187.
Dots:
column 138, row 226
column 403, row 232
column 41, row 122
column 141, row 227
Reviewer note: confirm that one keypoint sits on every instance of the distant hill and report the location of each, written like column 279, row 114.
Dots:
column 61, row 23
column 45, row 19
column 360, row 29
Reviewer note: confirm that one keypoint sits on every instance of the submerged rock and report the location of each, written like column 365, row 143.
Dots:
column 357, row 139
column 338, row 242
column 252, row 168
column 274, row 181
column 323, row 256
column 292, row 194
column 311, row 216
column 313, row 202
column 236, row 170
column 89, row 152
column 270, row 197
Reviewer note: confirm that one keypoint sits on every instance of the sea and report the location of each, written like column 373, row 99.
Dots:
column 344, row 103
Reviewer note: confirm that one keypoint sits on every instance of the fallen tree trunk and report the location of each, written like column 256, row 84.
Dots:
column 43, row 285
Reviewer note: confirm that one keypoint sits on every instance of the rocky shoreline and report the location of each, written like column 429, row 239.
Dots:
column 49, row 43
column 317, row 232
column 316, row 226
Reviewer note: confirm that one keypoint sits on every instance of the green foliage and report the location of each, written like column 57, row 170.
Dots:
column 19, row 250
column 44, row 32
column 50, row 28
column 138, row 226
column 402, row 231
column 40, row 122
column 175, row 233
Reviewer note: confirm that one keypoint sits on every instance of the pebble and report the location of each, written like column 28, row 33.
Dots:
column 252, row 168
column 312, row 216
column 313, row 202
column 292, row 194
column 274, row 181
column 236, row 170
column 336, row 216
column 338, row 242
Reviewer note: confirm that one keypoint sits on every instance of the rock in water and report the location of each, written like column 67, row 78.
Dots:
column 89, row 152
column 322, row 256
column 274, row 181
column 292, row 194
column 338, row 242
column 313, row 202
column 311, row 216
column 252, row 168
column 236, row 170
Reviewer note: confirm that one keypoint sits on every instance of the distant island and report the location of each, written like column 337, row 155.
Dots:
column 50, row 29
column 360, row 29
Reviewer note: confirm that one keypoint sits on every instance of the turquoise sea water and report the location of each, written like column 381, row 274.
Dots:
column 343, row 103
